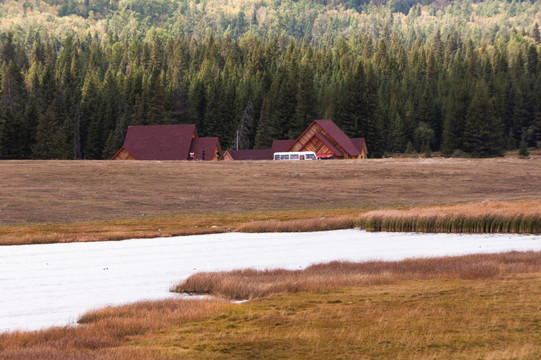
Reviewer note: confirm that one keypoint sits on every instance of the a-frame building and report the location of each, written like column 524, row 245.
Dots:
column 327, row 140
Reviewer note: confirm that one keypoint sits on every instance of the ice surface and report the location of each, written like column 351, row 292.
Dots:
column 49, row 285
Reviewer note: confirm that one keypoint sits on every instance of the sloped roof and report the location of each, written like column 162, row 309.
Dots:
column 282, row 145
column 338, row 135
column 360, row 144
column 160, row 142
column 206, row 144
column 327, row 143
column 255, row 154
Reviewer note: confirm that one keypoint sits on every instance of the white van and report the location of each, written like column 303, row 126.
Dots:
column 298, row 155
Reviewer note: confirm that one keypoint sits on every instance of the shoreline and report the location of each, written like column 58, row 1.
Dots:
column 515, row 217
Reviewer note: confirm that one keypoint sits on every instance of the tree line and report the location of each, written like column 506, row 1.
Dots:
column 74, row 97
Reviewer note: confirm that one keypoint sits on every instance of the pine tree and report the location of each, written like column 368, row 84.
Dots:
column 91, row 118
column 263, row 138
column 305, row 109
column 536, row 34
column 111, row 146
column 49, row 138
column 398, row 136
column 454, row 122
column 12, row 98
column 157, row 101
column 483, row 135
column 355, row 109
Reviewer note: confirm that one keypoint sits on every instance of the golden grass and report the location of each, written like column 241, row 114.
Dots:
column 107, row 329
column 479, row 306
column 301, row 225
column 523, row 216
column 429, row 319
column 484, row 217
column 250, row 284
column 150, row 226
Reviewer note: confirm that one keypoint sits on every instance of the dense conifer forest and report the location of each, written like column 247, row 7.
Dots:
column 460, row 77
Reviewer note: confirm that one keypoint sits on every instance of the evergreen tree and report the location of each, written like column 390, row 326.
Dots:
column 12, row 98
column 49, row 138
column 91, row 118
column 355, row 110
column 398, row 136
column 305, row 109
column 111, row 146
column 455, row 117
column 263, row 138
column 483, row 135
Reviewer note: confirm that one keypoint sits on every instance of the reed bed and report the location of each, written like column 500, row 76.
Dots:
column 251, row 284
column 303, row 225
column 522, row 217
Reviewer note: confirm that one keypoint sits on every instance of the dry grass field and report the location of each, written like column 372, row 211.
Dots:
column 49, row 201
column 468, row 307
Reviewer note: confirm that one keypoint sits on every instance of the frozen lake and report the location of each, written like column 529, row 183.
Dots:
column 47, row 285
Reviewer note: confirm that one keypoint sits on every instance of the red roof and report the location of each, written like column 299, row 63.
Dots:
column 206, row 144
column 338, row 135
column 160, row 142
column 360, row 144
column 255, row 154
column 282, row 145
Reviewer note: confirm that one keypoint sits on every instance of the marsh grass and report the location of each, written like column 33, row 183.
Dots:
column 301, row 225
column 483, row 217
column 477, row 306
column 523, row 217
column 151, row 226
column 250, row 283
column 109, row 328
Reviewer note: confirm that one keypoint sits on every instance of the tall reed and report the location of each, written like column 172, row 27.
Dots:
column 486, row 217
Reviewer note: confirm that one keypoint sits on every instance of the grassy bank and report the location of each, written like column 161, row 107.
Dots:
column 484, row 217
column 479, row 306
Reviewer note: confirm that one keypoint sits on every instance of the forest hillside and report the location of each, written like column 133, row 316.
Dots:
column 460, row 77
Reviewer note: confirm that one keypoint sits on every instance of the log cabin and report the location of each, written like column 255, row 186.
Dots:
column 168, row 142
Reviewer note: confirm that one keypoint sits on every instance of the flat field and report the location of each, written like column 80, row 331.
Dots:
column 48, row 201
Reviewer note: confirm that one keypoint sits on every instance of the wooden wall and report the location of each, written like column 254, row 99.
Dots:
column 123, row 154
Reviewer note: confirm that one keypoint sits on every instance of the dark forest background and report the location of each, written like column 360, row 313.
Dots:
column 459, row 77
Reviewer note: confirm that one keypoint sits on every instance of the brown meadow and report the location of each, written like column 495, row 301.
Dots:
column 64, row 201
